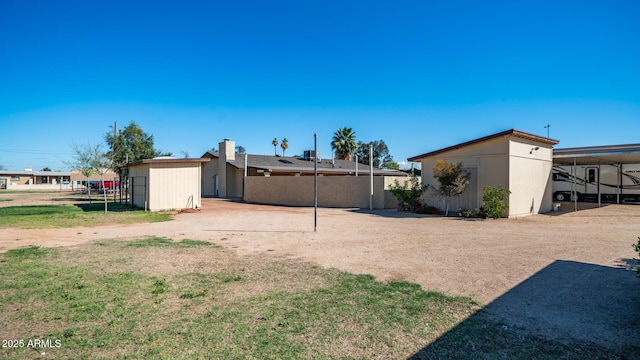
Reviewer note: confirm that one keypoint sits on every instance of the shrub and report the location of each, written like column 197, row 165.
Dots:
column 494, row 199
column 427, row 210
column 409, row 194
column 477, row 213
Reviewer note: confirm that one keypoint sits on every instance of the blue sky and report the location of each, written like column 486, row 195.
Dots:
column 421, row 75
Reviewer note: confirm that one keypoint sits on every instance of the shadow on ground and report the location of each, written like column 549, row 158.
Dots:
column 393, row 213
column 97, row 206
column 571, row 309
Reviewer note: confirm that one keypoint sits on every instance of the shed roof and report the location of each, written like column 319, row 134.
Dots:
column 506, row 133
column 289, row 164
column 165, row 160
column 598, row 155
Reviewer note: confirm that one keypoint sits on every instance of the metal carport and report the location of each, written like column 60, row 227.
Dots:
column 617, row 155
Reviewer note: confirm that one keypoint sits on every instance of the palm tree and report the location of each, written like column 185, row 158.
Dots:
column 284, row 145
column 275, row 146
column 344, row 143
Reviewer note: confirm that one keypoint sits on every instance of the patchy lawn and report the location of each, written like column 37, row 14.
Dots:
column 159, row 298
column 61, row 216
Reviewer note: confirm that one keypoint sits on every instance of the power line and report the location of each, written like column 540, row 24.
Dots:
column 36, row 151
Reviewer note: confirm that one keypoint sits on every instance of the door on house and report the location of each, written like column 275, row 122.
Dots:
column 469, row 198
column 215, row 181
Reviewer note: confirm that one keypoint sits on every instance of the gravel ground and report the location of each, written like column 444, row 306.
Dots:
column 563, row 276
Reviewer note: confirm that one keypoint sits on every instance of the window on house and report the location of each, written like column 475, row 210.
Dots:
column 15, row 177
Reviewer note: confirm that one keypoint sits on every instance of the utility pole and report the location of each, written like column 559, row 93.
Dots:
column 370, row 176
column 547, row 127
column 315, row 182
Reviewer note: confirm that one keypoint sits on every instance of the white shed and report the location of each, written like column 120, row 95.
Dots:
column 519, row 161
column 166, row 183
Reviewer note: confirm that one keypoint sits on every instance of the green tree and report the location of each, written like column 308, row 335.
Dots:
column 284, row 145
column 101, row 163
column 241, row 150
column 495, row 201
column 46, row 168
column 275, row 146
column 381, row 157
column 344, row 143
column 410, row 193
column 89, row 159
column 131, row 144
column 82, row 162
column 453, row 180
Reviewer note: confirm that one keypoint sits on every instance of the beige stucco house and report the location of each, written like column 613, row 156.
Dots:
column 165, row 183
column 519, row 161
column 33, row 180
column 289, row 181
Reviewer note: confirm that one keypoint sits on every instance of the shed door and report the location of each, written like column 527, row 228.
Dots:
column 469, row 198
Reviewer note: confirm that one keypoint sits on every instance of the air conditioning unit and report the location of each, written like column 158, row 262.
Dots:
column 311, row 155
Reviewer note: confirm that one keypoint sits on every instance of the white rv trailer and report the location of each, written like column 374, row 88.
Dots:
column 616, row 183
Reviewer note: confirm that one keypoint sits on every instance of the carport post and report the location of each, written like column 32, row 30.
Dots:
column 575, row 191
column 619, row 182
column 599, row 196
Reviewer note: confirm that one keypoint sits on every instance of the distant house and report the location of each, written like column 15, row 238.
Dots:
column 289, row 180
column 79, row 181
column 29, row 179
column 519, row 161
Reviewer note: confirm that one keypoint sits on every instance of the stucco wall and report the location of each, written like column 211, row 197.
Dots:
column 77, row 176
column 209, row 171
column 490, row 159
column 512, row 162
column 234, row 181
column 22, row 179
column 333, row 191
column 174, row 186
column 529, row 177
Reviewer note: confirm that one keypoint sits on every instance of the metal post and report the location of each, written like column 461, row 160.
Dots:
column 245, row 164
column 244, row 180
column 356, row 165
column 370, row 176
column 315, row 182
column 599, row 195
column 619, row 183
column 575, row 192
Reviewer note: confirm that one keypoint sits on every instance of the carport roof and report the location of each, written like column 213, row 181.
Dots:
column 598, row 155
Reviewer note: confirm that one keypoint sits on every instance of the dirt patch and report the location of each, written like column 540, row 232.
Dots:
column 564, row 276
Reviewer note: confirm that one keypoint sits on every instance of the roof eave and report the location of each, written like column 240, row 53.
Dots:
column 506, row 133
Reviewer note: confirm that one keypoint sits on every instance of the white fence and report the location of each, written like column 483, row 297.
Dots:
column 50, row 187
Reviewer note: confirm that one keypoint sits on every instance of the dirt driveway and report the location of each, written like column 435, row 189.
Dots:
column 565, row 276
